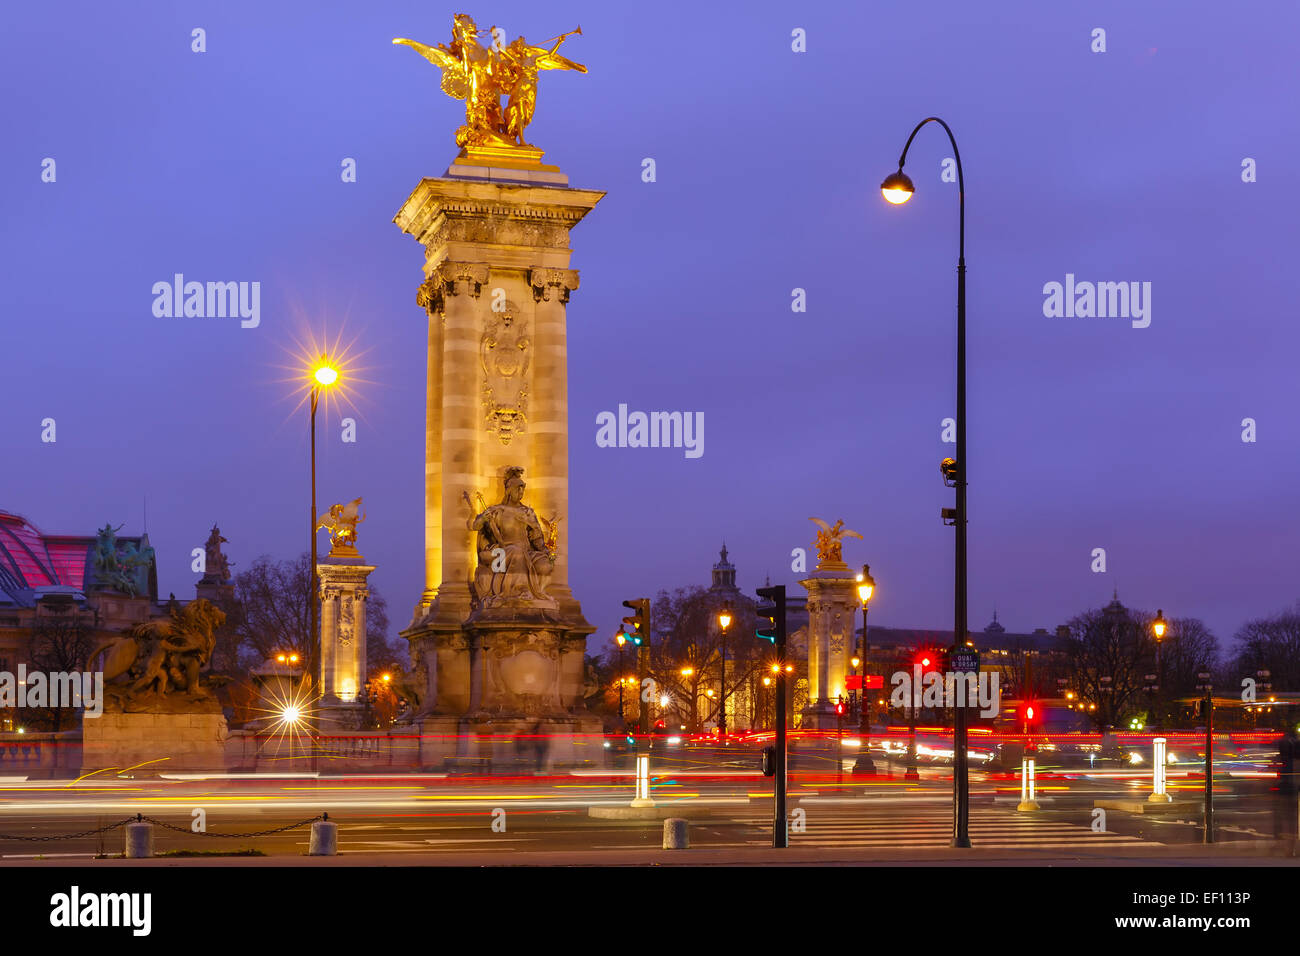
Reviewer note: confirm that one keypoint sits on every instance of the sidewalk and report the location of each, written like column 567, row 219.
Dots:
column 1242, row 853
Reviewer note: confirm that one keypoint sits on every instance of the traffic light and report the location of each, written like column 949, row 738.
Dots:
column 1031, row 712
column 770, row 612
column 929, row 659
column 635, row 627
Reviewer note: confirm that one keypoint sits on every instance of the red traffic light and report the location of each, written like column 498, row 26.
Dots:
column 928, row 659
column 1030, row 713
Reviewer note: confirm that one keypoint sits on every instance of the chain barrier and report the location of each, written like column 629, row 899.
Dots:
column 69, row 836
column 140, row 818
column 242, row 836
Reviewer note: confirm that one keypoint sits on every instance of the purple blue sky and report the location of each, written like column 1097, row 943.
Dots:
column 1084, row 433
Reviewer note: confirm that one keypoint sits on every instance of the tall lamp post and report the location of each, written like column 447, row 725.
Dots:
column 1158, row 629
column 724, row 623
column 897, row 189
column 620, row 639
column 864, row 763
column 323, row 375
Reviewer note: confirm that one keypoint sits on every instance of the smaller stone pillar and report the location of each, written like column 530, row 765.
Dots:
column 832, row 608
column 343, row 592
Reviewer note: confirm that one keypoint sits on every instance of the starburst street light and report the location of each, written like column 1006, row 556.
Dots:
column 324, row 374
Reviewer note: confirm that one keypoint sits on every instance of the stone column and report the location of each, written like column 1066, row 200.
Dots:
column 497, row 279
column 461, row 413
column 550, row 408
column 328, row 616
column 832, row 602
column 343, row 636
column 431, row 299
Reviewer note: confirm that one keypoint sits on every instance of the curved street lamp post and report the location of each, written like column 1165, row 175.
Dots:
column 897, row 189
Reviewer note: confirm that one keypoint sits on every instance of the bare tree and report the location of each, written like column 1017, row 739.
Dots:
column 61, row 642
column 685, row 653
column 1111, row 657
column 274, row 596
column 1270, row 644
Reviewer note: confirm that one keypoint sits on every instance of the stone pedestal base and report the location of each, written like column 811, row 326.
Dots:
column 821, row 716
column 161, row 742
column 503, row 664
column 512, row 746
column 338, row 715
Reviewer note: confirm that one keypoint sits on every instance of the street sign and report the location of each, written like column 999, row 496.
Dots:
column 966, row 662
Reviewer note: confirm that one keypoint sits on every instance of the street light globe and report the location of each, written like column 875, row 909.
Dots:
column 855, row 661
column 897, row 188
column 325, row 374
column 1159, row 624
column 866, row 585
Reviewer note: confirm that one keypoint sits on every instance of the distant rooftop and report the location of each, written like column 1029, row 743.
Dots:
column 30, row 560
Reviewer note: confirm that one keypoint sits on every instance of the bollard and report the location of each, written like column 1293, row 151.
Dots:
column 1158, row 782
column 324, row 838
column 675, row 834
column 139, row 839
column 1028, row 803
column 642, row 798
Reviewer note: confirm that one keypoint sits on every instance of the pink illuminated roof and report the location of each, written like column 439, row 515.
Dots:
column 29, row 559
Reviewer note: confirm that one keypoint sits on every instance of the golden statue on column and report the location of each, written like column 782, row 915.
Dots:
column 481, row 75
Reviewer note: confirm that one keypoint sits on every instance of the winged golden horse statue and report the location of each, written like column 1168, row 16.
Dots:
column 481, row 75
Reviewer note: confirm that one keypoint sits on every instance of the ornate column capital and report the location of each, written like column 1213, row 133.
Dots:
column 451, row 278
column 462, row 278
column 547, row 283
column 430, row 296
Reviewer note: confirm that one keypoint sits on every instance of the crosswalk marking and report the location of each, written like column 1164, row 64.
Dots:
column 987, row 829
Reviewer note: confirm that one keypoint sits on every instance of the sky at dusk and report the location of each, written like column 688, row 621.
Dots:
column 1084, row 433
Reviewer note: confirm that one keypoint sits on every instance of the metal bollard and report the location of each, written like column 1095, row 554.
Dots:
column 675, row 834
column 324, row 838
column 1159, row 793
column 139, row 839
column 1028, row 803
